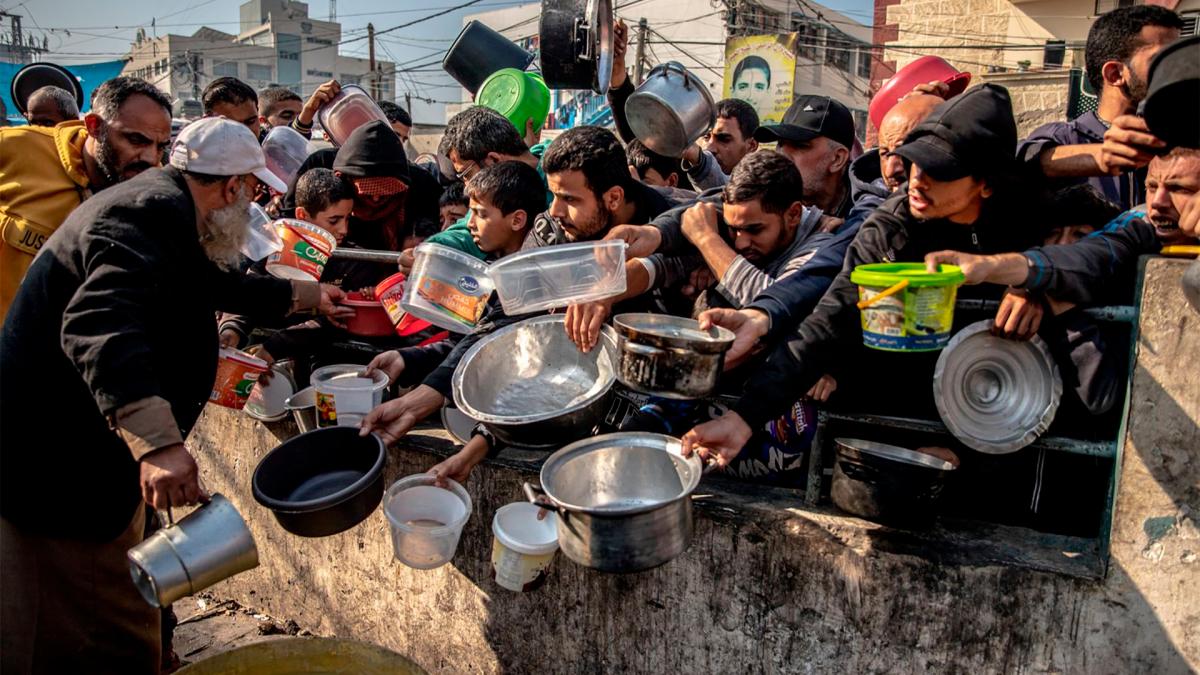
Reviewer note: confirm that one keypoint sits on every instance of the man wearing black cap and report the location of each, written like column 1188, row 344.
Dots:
column 961, row 162
column 817, row 133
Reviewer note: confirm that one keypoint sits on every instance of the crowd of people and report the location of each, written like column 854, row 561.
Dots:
column 122, row 274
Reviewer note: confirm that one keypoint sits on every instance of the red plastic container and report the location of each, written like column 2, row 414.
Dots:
column 924, row 69
column 389, row 291
column 370, row 319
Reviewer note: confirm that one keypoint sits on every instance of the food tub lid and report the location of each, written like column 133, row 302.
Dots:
column 887, row 274
column 440, row 251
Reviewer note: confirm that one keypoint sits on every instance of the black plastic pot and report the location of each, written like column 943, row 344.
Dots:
column 322, row 482
column 887, row 484
column 37, row 75
column 479, row 51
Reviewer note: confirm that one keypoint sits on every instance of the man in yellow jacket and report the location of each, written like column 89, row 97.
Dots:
column 46, row 172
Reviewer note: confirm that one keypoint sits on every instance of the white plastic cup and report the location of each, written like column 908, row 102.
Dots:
column 426, row 520
column 522, row 546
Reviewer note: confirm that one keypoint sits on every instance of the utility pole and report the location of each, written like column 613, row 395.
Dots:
column 371, row 61
column 408, row 102
column 643, row 30
column 332, row 11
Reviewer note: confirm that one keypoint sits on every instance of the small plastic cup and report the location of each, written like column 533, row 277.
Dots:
column 426, row 520
column 523, row 546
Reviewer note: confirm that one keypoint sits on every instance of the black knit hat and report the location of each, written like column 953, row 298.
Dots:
column 972, row 134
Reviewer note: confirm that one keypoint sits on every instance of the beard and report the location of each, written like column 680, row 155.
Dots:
column 110, row 164
column 1136, row 88
column 600, row 222
column 224, row 231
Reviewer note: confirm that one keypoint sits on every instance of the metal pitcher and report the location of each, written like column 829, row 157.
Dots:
column 209, row 545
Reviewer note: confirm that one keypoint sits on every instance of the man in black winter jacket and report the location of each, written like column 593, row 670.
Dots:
column 961, row 157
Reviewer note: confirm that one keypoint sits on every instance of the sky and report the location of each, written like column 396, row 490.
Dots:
column 83, row 31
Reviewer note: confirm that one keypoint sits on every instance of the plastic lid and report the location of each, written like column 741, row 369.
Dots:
column 244, row 358
column 517, row 527
column 441, row 251
column 887, row 274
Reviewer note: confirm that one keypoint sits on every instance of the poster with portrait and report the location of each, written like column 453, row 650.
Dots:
column 759, row 69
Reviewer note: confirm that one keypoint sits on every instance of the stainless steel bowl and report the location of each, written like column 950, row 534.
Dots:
column 532, row 387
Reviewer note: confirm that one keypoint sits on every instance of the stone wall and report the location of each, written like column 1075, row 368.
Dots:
column 769, row 585
column 1037, row 98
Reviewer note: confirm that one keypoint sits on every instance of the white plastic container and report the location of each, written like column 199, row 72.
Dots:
column 347, row 111
column 345, row 395
column 284, row 150
column 426, row 520
column 261, row 237
column 522, row 546
column 447, row 288
column 557, row 276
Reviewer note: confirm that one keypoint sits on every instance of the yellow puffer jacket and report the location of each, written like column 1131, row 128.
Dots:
column 42, row 179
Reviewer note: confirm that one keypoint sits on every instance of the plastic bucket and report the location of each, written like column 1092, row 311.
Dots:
column 916, row 318
column 517, row 95
column 426, row 520
column 447, row 288
column 237, row 372
column 306, row 250
column 522, row 546
column 345, row 396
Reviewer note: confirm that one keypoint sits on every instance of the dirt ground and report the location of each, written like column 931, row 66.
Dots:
column 209, row 626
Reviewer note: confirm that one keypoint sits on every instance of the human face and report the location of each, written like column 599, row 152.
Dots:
column 1068, row 234
column 334, row 220
column 655, row 179
column 897, row 124
column 377, row 207
column 223, row 230
column 814, row 160
column 452, row 213
column 759, row 236
column 402, row 130
column 1170, row 182
column 44, row 112
column 465, row 169
column 1137, row 68
column 727, row 144
column 958, row 201
column 134, row 140
column 583, row 216
column 283, row 114
column 753, row 86
column 493, row 231
column 245, row 112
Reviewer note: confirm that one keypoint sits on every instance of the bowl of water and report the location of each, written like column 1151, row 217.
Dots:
column 426, row 520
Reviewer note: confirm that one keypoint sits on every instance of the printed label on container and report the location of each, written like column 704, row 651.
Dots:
column 916, row 319
column 461, row 305
column 518, row 571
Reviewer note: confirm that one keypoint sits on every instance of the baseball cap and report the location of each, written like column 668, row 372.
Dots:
column 220, row 147
column 810, row 116
column 971, row 134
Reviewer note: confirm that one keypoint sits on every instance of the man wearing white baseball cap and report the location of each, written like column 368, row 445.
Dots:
column 108, row 355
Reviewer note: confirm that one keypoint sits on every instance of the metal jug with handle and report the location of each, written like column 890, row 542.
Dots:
column 209, row 545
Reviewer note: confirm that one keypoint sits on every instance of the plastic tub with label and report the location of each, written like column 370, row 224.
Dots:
column 447, row 288
column 345, row 395
column 557, row 276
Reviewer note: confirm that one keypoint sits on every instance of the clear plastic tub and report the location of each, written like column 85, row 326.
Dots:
column 347, row 111
column 284, row 150
column 557, row 276
column 447, row 288
column 261, row 237
column 345, row 396
column 426, row 520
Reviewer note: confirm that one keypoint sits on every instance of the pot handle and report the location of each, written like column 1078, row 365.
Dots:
column 538, row 497
column 677, row 67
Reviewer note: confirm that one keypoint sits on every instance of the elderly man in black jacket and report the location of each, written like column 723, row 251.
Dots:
column 109, row 354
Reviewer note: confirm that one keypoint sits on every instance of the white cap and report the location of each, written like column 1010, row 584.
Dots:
column 220, row 147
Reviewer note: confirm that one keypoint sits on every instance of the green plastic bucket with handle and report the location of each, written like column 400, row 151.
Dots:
column 518, row 95
column 914, row 310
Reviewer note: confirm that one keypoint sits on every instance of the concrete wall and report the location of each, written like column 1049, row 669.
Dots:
column 1037, row 98
column 769, row 585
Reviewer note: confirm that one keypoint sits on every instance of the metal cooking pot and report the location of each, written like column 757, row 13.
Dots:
column 532, row 387
column 670, row 110
column 576, row 44
column 887, row 483
column 670, row 356
column 623, row 500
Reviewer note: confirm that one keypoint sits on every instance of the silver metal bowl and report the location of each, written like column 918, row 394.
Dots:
column 532, row 387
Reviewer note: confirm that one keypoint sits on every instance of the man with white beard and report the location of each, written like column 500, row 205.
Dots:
column 108, row 355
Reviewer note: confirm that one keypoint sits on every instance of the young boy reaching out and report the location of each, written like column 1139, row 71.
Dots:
column 504, row 200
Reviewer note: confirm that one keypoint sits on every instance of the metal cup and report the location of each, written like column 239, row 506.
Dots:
column 211, row 544
column 303, row 405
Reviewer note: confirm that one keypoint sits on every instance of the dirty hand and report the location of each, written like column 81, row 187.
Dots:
column 329, row 307
column 823, row 389
column 407, row 258
column 1128, row 144
column 643, row 240
column 583, row 323
column 169, row 477
column 699, row 221
column 701, row 278
column 389, row 363
column 230, row 338
column 718, row 441
column 324, row 94
column 1019, row 316
column 393, row 419
column 620, row 47
column 748, row 326
column 457, row 467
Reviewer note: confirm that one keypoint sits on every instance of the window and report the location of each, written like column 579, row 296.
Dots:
column 864, row 62
column 1191, row 24
column 230, row 69
column 838, row 51
column 808, row 37
column 257, row 71
column 305, row 27
column 320, row 73
column 1052, row 57
column 347, row 78
column 319, row 41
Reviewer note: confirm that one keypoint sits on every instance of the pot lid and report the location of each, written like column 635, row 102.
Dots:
column 894, row 453
column 600, row 16
column 996, row 395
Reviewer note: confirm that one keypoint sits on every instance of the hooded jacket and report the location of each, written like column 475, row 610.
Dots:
column 42, row 179
column 866, row 182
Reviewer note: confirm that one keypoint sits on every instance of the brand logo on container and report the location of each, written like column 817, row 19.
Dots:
column 468, row 284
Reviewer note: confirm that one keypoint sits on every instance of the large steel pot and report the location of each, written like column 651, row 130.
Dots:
column 670, row 110
column 886, row 483
column 576, row 44
column 670, row 356
column 623, row 500
column 532, row 387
